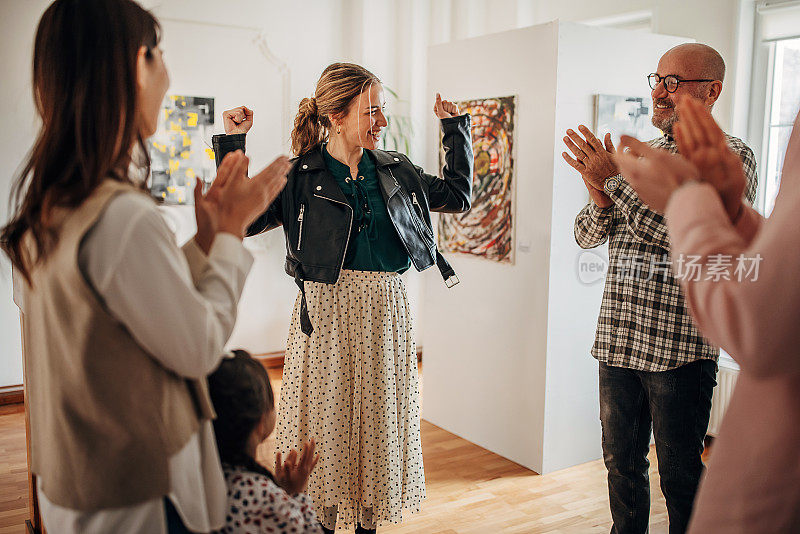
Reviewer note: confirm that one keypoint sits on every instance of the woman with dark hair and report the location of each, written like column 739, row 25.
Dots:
column 355, row 217
column 121, row 327
column 257, row 501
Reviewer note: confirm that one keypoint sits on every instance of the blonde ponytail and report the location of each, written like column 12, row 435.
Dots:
column 308, row 132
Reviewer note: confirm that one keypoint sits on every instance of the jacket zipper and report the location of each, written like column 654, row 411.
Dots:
column 349, row 227
column 414, row 201
column 416, row 224
column 300, row 220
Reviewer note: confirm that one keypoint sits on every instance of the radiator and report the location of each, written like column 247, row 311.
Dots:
column 726, row 381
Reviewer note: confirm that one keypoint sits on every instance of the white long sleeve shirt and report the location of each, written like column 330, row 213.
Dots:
column 180, row 306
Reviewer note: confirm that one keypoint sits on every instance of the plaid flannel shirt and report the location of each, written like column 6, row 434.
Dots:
column 644, row 322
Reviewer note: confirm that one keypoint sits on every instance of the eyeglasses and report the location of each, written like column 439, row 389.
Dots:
column 671, row 82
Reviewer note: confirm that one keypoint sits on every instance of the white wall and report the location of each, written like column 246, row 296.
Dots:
column 220, row 57
column 485, row 339
column 307, row 36
column 390, row 37
column 572, row 427
column 713, row 22
column 17, row 24
column 723, row 24
column 507, row 361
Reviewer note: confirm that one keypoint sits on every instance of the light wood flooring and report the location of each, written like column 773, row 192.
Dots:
column 470, row 490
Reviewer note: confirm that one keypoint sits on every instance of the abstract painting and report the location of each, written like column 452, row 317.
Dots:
column 180, row 151
column 629, row 115
column 487, row 230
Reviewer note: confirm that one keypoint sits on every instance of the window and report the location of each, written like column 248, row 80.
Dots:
column 775, row 91
column 783, row 103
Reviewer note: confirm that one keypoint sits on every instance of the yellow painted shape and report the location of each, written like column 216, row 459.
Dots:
column 210, row 153
column 185, row 154
column 190, row 173
column 173, row 165
column 192, row 120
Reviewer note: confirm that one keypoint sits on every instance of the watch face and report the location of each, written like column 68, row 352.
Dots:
column 612, row 184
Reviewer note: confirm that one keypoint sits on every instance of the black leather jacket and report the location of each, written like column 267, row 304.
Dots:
column 317, row 218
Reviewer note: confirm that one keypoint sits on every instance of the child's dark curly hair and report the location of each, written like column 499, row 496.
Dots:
column 241, row 392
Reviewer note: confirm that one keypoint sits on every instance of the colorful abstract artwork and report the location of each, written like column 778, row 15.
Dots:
column 487, row 230
column 180, row 151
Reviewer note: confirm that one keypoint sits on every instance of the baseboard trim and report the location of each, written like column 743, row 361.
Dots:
column 271, row 360
column 12, row 395
column 275, row 360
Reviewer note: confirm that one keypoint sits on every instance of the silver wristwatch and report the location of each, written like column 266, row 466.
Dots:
column 611, row 184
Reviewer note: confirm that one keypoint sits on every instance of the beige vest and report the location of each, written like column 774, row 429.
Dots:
column 105, row 416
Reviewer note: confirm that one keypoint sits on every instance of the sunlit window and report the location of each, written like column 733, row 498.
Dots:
column 783, row 105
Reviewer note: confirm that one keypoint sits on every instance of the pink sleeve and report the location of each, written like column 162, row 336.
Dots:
column 755, row 319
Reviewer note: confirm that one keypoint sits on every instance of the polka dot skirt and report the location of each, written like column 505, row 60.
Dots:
column 353, row 386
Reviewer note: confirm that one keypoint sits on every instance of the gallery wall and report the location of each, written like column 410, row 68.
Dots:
column 507, row 361
column 727, row 25
column 485, row 338
column 388, row 36
column 17, row 25
column 257, row 79
column 304, row 37
column 572, row 428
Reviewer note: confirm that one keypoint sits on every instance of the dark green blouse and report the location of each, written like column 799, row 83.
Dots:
column 374, row 244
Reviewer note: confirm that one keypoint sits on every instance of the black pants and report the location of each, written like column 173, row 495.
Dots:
column 676, row 404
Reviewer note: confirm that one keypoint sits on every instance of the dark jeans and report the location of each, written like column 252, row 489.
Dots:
column 677, row 405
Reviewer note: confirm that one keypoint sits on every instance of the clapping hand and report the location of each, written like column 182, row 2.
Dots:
column 234, row 201
column 701, row 141
column 444, row 109
column 654, row 173
column 292, row 474
column 593, row 159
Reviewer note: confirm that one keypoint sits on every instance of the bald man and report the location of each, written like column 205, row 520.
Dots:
column 656, row 369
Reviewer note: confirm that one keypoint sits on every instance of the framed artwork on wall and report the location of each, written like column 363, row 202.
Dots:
column 487, row 230
column 628, row 115
column 180, row 152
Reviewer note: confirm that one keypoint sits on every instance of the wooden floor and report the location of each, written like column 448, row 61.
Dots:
column 13, row 470
column 470, row 490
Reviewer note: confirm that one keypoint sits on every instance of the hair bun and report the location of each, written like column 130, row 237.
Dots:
column 311, row 106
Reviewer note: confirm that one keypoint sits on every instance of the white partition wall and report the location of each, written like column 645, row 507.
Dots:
column 507, row 361
column 251, row 76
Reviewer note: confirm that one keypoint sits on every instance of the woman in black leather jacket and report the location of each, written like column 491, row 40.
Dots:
column 355, row 217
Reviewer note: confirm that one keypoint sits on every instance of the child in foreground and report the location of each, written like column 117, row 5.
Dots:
column 258, row 501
